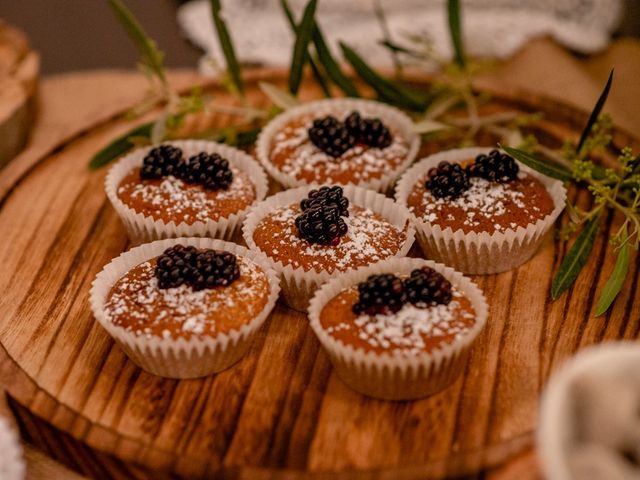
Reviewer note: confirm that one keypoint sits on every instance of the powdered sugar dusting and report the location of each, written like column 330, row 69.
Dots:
column 405, row 332
column 370, row 238
column 294, row 154
column 136, row 303
column 487, row 206
column 172, row 198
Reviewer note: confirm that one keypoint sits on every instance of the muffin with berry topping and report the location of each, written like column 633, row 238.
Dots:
column 399, row 329
column 187, row 307
column 479, row 210
column 313, row 233
column 338, row 141
column 184, row 188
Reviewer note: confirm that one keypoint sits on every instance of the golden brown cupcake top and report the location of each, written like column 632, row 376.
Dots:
column 407, row 332
column 369, row 238
column 294, row 154
column 171, row 199
column 486, row 206
column 137, row 304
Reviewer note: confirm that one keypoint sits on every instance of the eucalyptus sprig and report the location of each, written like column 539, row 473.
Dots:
column 176, row 107
column 612, row 190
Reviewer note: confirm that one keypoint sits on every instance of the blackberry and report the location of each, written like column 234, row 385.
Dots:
column 380, row 294
column 331, row 136
column 214, row 269
column 209, row 170
column 495, row 167
column 200, row 269
column 162, row 161
column 321, row 224
column 370, row 131
column 175, row 266
column 447, row 180
column 426, row 286
column 327, row 196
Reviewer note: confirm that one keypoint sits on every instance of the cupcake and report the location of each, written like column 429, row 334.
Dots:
column 12, row 465
column 311, row 234
column 187, row 188
column 400, row 329
column 338, row 141
column 479, row 210
column 186, row 307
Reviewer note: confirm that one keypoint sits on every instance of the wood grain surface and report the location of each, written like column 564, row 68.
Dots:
column 281, row 412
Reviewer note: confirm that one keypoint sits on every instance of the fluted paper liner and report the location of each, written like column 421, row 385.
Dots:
column 369, row 108
column 388, row 376
column 12, row 466
column 180, row 358
column 297, row 284
column 143, row 228
column 479, row 253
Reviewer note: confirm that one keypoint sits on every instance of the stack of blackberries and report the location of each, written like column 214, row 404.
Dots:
column 450, row 180
column 207, row 169
column 321, row 220
column 334, row 137
column 387, row 293
column 370, row 131
column 383, row 293
column 200, row 269
column 331, row 136
column 161, row 162
column 447, row 180
column 495, row 167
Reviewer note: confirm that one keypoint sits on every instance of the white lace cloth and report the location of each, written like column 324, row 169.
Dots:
column 491, row 28
column 11, row 463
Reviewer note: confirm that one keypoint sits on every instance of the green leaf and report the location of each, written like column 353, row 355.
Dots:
column 552, row 170
column 596, row 112
column 278, row 97
column 330, row 65
column 453, row 9
column 233, row 67
column 119, row 146
column 152, row 56
column 247, row 137
column 315, row 68
column 300, row 48
column 614, row 283
column 231, row 136
column 389, row 91
column 576, row 258
column 397, row 48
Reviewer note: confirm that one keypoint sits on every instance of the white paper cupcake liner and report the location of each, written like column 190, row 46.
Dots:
column 390, row 115
column 181, row 358
column 297, row 284
column 479, row 253
column 12, row 466
column 385, row 375
column 142, row 228
column 558, row 433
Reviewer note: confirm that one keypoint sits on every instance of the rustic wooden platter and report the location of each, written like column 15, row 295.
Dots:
column 280, row 412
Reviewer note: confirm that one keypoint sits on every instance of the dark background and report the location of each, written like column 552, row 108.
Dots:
column 82, row 34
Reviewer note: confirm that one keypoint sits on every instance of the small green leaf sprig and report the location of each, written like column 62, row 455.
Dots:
column 177, row 107
column 430, row 109
column 612, row 189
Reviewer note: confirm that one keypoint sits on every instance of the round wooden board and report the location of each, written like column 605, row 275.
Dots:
column 280, row 412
